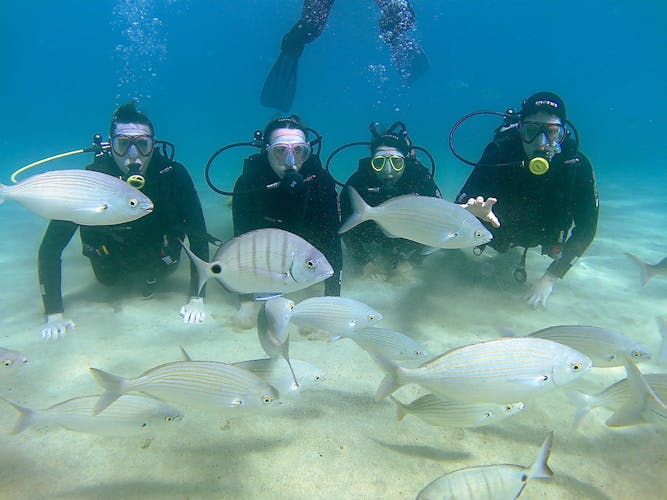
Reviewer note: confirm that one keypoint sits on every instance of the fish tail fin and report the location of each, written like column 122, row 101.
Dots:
column 115, row 387
column 391, row 380
column 202, row 267
column 645, row 272
column 540, row 469
column 27, row 417
column 584, row 405
column 632, row 413
column 400, row 409
column 360, row 211
column 184, row 354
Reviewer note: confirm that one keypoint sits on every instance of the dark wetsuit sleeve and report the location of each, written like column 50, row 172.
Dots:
column 195, row 226
column 330, row 211
column 58, row 234
column 245, row 210
column 482, row 180
column 314, row 15
column 585, row 217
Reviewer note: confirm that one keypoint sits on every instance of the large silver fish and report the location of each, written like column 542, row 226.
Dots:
column 265, row 261
column 207, row 384
column 647, row 271
column 433, row 222
column 85, row 197
column 616, row 395
column 128, row 415
column 337, row 315
column 605, row 347
column 496, row 371
column 434, row 410
column 644, row 405
column 387, row 343
column 10, row 360
column 502, row 481
column 272, row 328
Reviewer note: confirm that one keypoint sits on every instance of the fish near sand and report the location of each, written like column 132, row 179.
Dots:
column 206, row 384
column 85, row 197
column 339, row 316
column 490, row 481
column 272, row 329
column 265, row 261
column 279, row 375
column 128, row 415
column 10, row 361
column 648, row 271
column 495, row 371
column 387, row 343
column 433, row 222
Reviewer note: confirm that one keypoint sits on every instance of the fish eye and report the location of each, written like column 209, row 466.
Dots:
column 371, row 317
column 576, row 366
column 134, row 202
column 266, row 399
column 7, row 362
column 310, row 264
column 291, row 306
column 508, row 407
column 169, row 419
column 545, row 377
column 636, row 354
column 317, row 378
column 478, row 234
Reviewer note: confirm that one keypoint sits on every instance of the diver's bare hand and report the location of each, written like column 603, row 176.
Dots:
column 482, row 209
column 56, row 326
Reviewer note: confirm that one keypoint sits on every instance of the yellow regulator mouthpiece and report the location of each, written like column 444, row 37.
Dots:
column 138, row 181
column 538, row 166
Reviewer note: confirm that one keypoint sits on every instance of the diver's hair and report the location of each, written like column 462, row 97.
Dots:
column 293, row 122
column 128, row 113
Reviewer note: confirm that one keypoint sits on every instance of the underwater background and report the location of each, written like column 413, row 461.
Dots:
column 197, row 69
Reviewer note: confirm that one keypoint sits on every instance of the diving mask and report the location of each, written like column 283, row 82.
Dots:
column 397, row 162
column 121, row 144
column 554, row 132
column 290, row 153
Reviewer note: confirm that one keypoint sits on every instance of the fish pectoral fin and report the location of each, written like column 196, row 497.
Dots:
column 428, row 250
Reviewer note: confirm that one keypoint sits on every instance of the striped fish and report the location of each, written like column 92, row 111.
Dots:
column 644, row 405
column 387, row 343
column 10, row 360
column 605, row 347
column 615, row 396
column 502, row 481
column 278, row 374
column 433, row 222
column 128, row 415
column 496, row 371
column 206, row 384
column 265, row 261
column 272, row 328
column 85, row 197
column 434, row 410
column 337, row 315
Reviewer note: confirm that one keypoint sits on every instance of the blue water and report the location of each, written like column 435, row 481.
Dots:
column 197, row 68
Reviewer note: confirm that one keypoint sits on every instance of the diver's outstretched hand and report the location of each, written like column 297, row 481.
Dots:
column 56, row 326
column 193, row 312
column 541, row 290
column 482, row 209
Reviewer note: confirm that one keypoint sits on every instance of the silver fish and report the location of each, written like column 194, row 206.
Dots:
column 502, row 481
column 605, row 347
column 661, row 359
column 337, row 315
column 615, row 396
column 434, row 410
column 10, row 361
column 496, row 371
column 272, row 328
column 644, row 406
column 648, row 271
column 433, row 222
column 206, row 384
column 265, row 261
column 128, row 415
column 85, row 197
column 387, row 343
column 278, row 374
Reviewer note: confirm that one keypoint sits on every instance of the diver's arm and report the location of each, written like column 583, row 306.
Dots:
column 245, row 206
column 309, row 27
column 585, row 214
column 58, row 234
column 481, row 181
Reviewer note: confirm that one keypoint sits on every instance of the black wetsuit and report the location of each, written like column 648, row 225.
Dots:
column 312, row 213
column 140, row 250
column 366, row 241
column 557, row 210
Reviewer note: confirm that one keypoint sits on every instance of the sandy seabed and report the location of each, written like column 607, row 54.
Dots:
column 333, row 441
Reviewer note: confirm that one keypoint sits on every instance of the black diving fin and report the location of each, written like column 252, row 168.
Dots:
column 280, row 85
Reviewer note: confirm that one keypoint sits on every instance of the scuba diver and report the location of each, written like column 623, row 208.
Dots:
column 393, row 169
column 284, row 186
column 397, row 22
column 544, row 185
column 138, row 252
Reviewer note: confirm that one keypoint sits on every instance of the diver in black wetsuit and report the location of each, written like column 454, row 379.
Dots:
column 397, row 23
column 392, row 170
column 286, row 187
column 140, row 251
column 545, row 189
